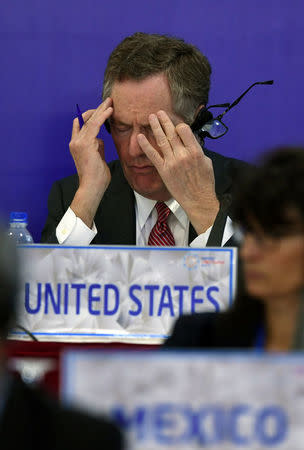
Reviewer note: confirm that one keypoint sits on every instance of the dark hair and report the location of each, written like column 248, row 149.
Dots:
column 267, row 194
column 272, row 194
column 142, row 55
column 8, row 283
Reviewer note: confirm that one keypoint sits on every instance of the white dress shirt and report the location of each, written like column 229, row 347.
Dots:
column 71, row 230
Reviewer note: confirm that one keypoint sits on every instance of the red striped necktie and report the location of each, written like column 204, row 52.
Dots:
column 161, row 234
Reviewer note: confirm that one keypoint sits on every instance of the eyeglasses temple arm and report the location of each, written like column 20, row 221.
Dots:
column 241, row 96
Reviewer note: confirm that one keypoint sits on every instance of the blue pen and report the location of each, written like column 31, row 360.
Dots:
column 79, row 115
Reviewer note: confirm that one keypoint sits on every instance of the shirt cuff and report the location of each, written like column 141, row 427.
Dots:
column 201, row 239
column 71, row 230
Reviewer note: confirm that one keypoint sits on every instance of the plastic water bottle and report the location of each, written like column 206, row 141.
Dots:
column 18, row 228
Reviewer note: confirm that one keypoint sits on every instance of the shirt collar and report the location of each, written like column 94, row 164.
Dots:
column 145, row 206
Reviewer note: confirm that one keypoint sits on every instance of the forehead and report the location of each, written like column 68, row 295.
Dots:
column 135, row 100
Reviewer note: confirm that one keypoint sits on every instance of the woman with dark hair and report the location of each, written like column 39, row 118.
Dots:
column 269, row 213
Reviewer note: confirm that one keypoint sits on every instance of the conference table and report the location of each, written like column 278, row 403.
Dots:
column 112, row 298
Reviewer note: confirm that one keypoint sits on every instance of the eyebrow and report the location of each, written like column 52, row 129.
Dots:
column 119, row 122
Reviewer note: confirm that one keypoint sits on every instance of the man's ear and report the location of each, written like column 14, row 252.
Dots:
column 198, row 110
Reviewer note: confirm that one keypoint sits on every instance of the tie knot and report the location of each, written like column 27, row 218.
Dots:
column 162, row 211
column 161, row 233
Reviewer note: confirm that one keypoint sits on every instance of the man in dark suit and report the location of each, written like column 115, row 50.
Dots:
column 28, row 418
column 154, row 87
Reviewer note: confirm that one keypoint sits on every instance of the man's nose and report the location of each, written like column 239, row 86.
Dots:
column 134, row 148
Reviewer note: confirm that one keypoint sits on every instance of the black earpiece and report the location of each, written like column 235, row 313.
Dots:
column 202, row 117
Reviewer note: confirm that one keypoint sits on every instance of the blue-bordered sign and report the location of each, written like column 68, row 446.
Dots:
column 190, row 400
column 129, row 294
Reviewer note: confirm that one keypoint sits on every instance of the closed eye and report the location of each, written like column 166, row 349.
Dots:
column 121, row 128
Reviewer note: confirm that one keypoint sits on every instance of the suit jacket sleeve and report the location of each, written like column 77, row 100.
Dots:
column 115, row 216
column 60, row 198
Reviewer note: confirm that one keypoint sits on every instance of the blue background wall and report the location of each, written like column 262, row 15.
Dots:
column 53, row 55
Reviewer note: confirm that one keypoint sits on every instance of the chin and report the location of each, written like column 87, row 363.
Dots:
column 152, row 189
column 153, row 195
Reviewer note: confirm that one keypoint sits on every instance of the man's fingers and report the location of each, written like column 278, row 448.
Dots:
column 159, row 134
column 86, row 116
column 187, row 137
column 97, row 118
column 75, row 128
column 169, row 130
column 93, row 119
column 92, row 125
column 150, row 151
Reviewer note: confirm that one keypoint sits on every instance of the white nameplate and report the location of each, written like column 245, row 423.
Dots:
column 185, row 401
column 128, row 294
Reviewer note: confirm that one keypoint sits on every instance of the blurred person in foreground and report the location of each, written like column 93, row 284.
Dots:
column 269, row 313
column 30, row 420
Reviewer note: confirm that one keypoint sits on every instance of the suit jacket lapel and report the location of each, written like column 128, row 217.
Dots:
column 192, row 234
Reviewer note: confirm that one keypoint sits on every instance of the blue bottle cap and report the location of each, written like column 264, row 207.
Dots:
column 18, row 217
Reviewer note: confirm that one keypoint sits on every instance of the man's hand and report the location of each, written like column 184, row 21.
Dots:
column 184, row 168
column 88, row 154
